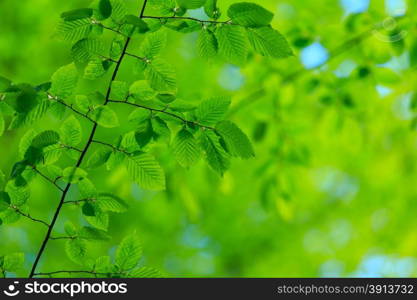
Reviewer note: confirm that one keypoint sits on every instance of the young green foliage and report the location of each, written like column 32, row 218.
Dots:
column 200, row 127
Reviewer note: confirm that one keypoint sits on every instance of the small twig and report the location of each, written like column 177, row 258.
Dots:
column 110, row 146
column 163, row 111
column 78, row 201
column 57, row 100
column 29, row 216
column 71, row 148
column 191, row 19
column 107, row 58
column 142, row 11
column 138, row 57
column 111, row 29
column 344, row 47
column 69, row 272
column 47, row 178
column 62, row 238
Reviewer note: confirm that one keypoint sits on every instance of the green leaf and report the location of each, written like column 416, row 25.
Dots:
column 2, row 178
column 129, row 252
column 87, row 189
column 145, row 272
column 99, row 158
column 32, row 114
column 82, row 102
column 140, row 90
column 64, row 81
column 116, row 48
column 18, row 169
column 249, row 14
column 119, row 10
column 105, row 117
column 9, row 216
column 216, row 156
column 52, row 154
column 105, row 9
column 25, row 142
column 110, row 202
column 211, row 9
column 137, row 22
column 100, row 218
column 74, row 30
column 166, row 98
column 232, row 44
column 138, row 117
column 13, row 262
column 4, row 201
column 91, row 233
column 4, row 84
column 413, row 54
column 186, row 148
column 73, row 174
column 269, row 42
column 237, row 143
column 191, row 4
column 41, row 146
column 207, row 44
column 52, row 171
column 45, row 139
column 115, row 160
column 146, row 171
column 119, row 90
column 160, row 129
column 129, row 143
column 19, row 195
column 163, row 7
column 161, row 76
column 183, row 26
column 70, row 229
column 76, row 250
column 85, row 49
column 103, row 264
column 76, row 14
column 144, row 135
column 96, row 68
column 71, row 131
column 153, row 44
column 2, row 125
column 88, row 209
column 212, row 110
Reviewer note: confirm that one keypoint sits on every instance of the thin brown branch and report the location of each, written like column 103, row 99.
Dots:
column 47, row 178
column 110, row 146
column 70, row 106
column 28, row 216
column 62, row 238
column 79, row 162
column 69, row 272
column 190, row 19
column 138, row 57
column 162, row 111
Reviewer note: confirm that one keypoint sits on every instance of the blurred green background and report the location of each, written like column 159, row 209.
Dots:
column 333, row 188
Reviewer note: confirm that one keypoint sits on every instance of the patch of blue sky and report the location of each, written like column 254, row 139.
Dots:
column 398, row 63
column 198, row 14
column 314, row 56
column 345, row 69
column 386, row 266
column 231, row 78
column 402, row 107
column 396, row 8
column 383, row 91
column 355, row 6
